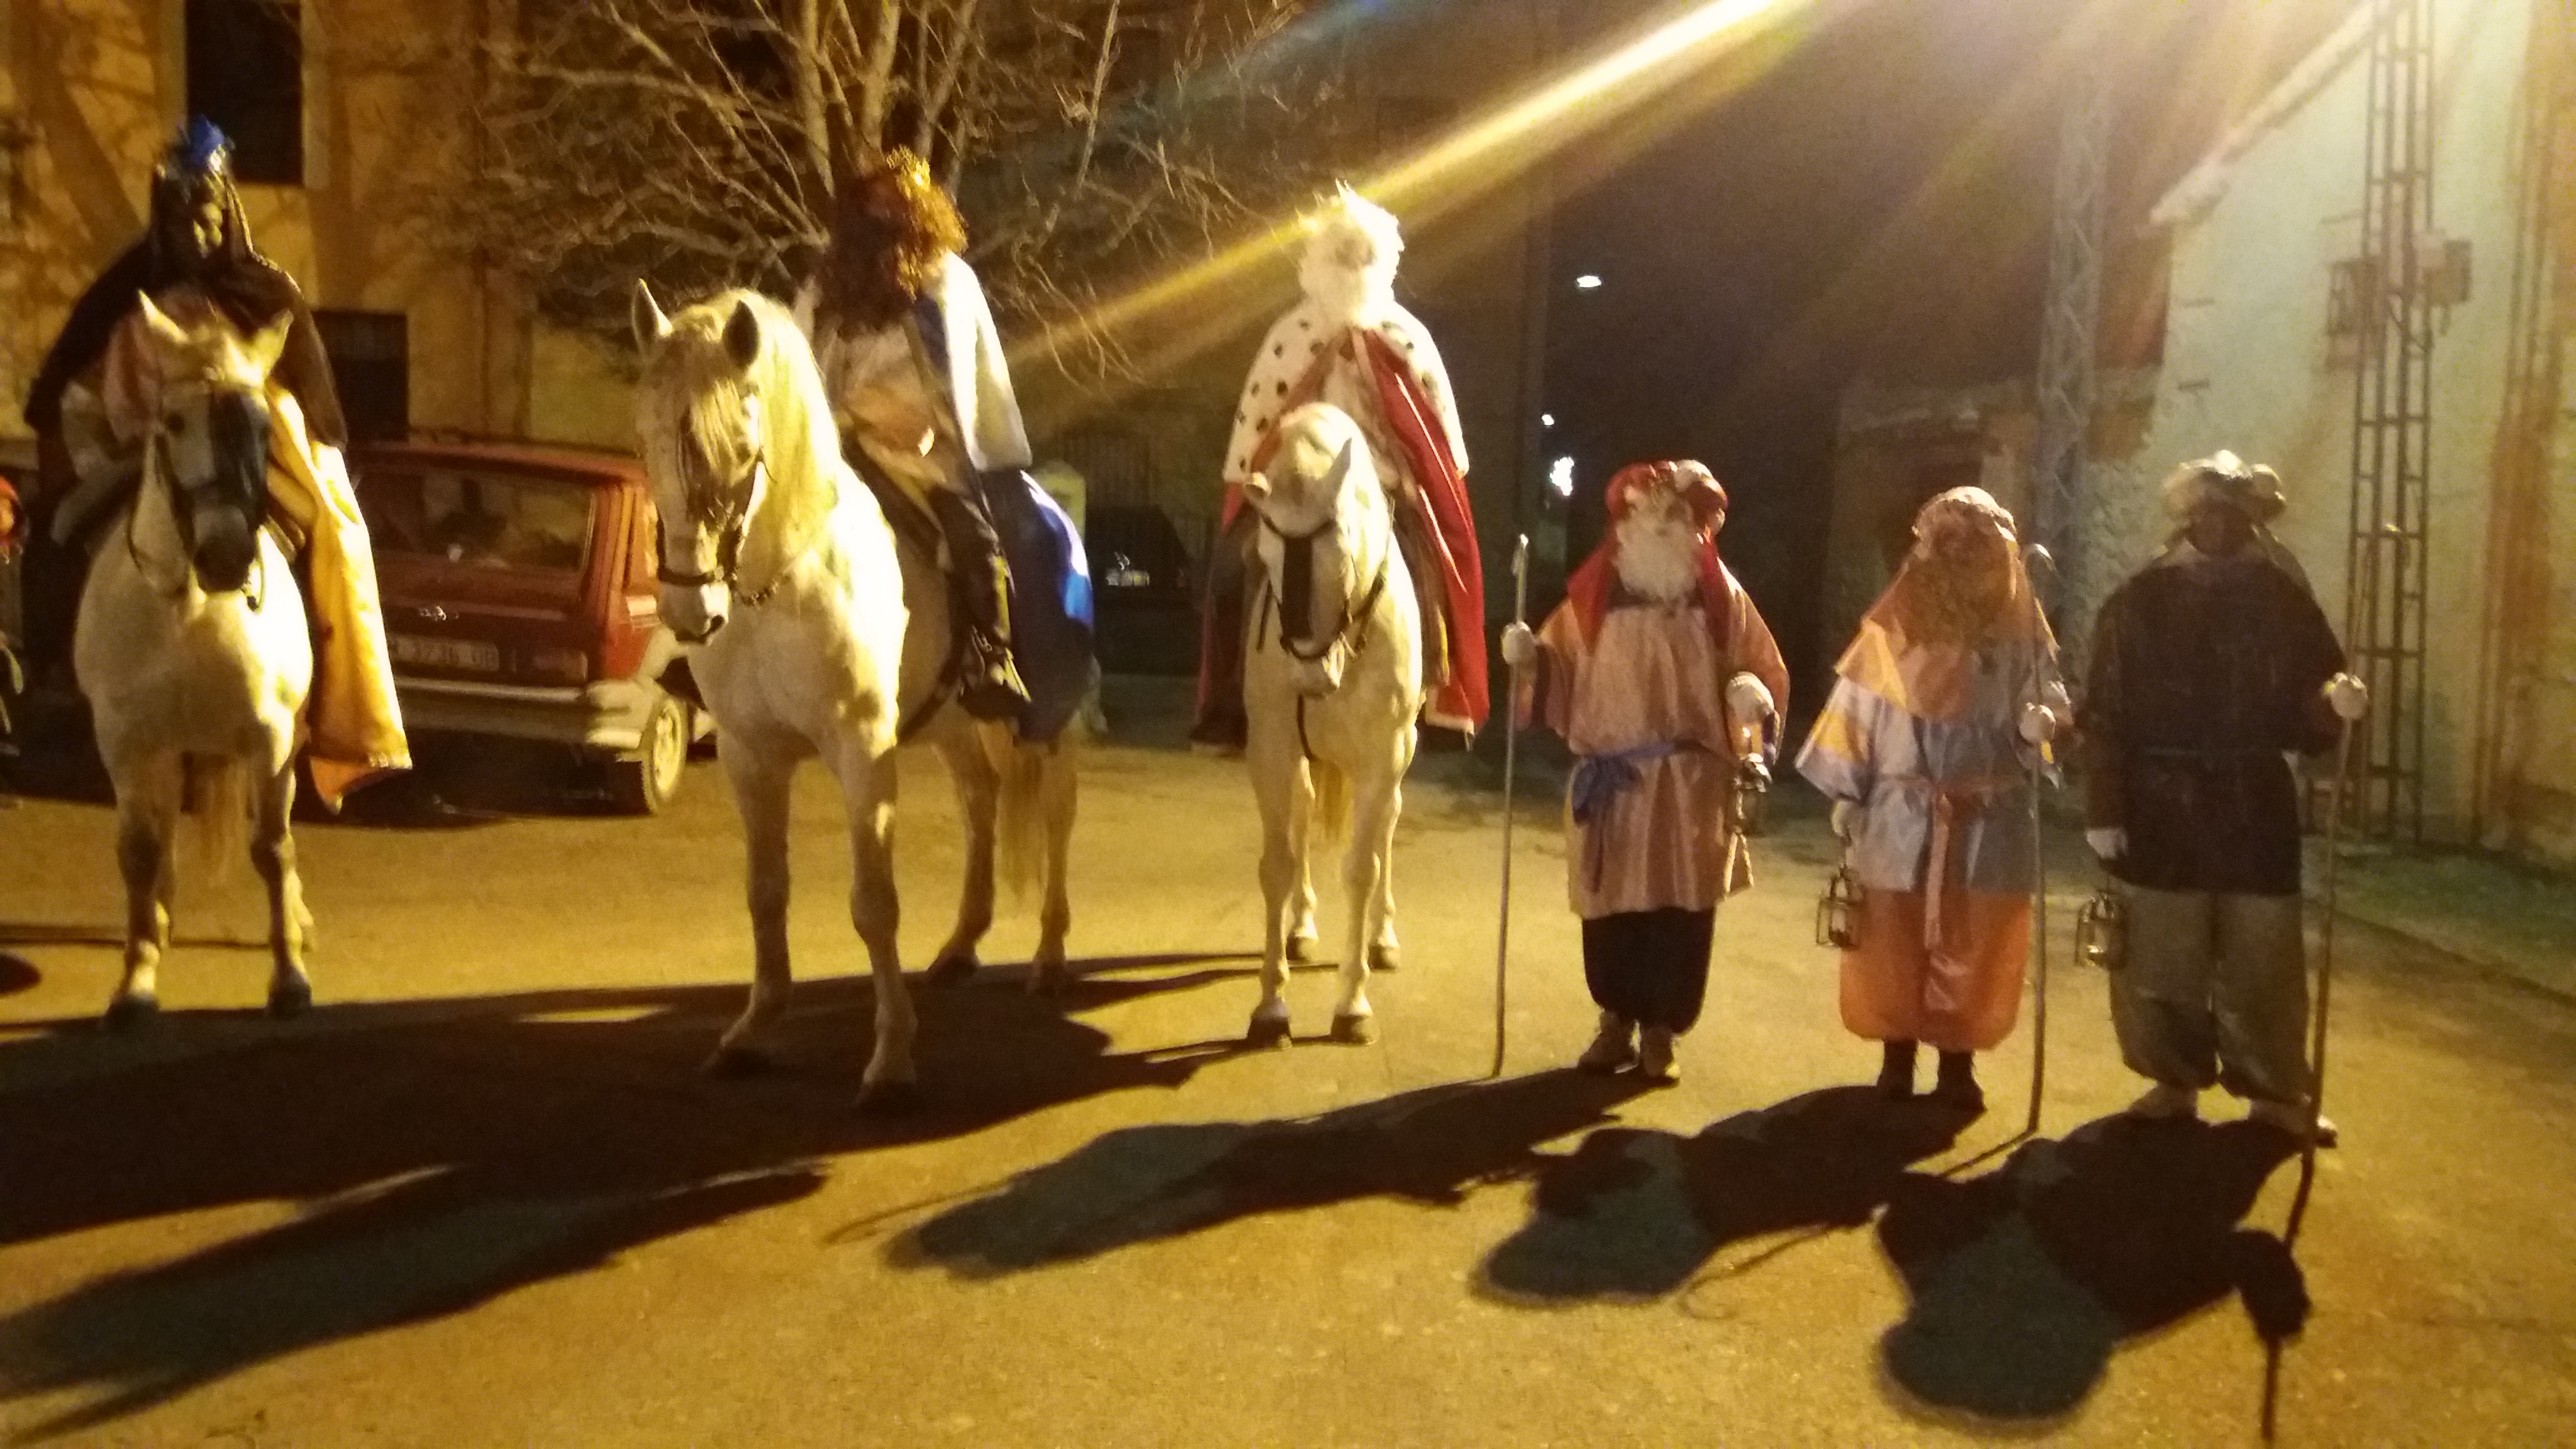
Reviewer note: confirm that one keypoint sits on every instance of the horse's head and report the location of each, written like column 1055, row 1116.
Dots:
column 208, row 392
column 698, row 411
column 1325, row 540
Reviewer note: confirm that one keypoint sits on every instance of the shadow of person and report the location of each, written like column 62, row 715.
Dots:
column 441, row 1153
column 2023, row 1282
column 1634, row 1214
column 1430, row 1146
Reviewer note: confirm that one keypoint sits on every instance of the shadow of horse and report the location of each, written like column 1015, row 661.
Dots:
column 1136, row 1185
column 442, row 1153
column 2026, row 1280
column 1633, row 1215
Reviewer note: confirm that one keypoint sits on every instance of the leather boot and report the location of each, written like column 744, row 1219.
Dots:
column 1896, row 1071
column 1220, row 727
column 1957, row 1085
column 980, row 586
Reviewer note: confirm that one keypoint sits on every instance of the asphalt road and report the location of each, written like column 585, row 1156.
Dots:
column 481, row 1197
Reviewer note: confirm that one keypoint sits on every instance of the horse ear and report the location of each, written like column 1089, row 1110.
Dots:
column 164, row 330
column 742, row 336
column 645, row 315
column 268, row 344
column 1256, row 489
column 1341, row 468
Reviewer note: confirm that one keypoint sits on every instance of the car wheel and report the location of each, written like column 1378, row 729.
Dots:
column 646, row 783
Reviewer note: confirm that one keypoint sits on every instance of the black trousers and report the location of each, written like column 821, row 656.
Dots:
column 1650, row 966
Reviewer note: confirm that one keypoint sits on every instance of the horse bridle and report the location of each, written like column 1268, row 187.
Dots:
column 729, row 536
column 183, row 517
column 1297, row 553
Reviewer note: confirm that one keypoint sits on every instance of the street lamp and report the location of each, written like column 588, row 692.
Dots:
column 1588, row 282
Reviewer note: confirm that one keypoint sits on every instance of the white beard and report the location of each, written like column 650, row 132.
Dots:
column 1661, row 564
column 1344, row 297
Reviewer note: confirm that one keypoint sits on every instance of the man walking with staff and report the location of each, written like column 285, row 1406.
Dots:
column 2208, row 667
column 1664, row 680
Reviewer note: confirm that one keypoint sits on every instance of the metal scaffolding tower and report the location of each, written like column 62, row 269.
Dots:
column 2384, row 623
column 2069, row 326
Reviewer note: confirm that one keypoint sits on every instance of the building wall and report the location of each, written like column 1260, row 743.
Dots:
column 101, row 84
column 2248, row 364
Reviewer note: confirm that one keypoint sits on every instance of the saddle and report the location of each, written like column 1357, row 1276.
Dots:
column 1052, row 617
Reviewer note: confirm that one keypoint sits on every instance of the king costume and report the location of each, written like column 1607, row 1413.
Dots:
column 1665, row 682
column 2209, row 667
column 89, row 409
column 1350, row 344
column 1941, row 708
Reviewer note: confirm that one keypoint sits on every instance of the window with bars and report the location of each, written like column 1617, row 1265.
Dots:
column 246, row 74
column 371, row 366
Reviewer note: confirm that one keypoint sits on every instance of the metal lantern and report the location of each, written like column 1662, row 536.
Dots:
column 2102, row 930
column 1751, row 799
column 1838, row 913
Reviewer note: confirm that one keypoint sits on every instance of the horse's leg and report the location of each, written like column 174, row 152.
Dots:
column 1057, row 798
column 272, row 854
column 1303, row 938
column 760, row 792
column 1382, row 953
column 1364, row 872
column 979, row 793
column 1286, row 797
column 148, row 793
column 868, row 791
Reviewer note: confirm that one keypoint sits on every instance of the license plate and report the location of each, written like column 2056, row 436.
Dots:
column 468, row 654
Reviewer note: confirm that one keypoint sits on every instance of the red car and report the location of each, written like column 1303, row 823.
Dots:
column 519, row 595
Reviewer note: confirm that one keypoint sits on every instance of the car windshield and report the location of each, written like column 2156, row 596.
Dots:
column 479, row 519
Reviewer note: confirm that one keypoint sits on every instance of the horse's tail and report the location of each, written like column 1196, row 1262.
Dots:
column 1020, row 829
column 219, row 800
column 1332, row 819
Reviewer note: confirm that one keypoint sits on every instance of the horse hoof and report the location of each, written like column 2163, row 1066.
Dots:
column 1355, row 1030
column 127, row 1013
column 291, row 1000
column 1383, row 957
column 888, row 1099
column 1301, row 948
column 733, row 1063
column 1267, row 1031
column 1049, row 978
column 953, row 969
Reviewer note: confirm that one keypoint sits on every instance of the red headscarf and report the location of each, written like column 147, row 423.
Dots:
column 1588, row 592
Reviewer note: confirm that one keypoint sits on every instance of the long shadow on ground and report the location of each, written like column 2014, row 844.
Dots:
column 1140, row 1184
column 1635, row 1214
column 2025, row 1281
column 442, row 1153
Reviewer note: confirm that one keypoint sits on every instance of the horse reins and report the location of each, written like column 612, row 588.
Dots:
column 737, row 524
column 159, row 464
column 1297, row 563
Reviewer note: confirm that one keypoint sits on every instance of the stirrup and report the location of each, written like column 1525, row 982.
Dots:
column 989, row 687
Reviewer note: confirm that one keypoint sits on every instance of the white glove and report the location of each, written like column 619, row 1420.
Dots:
column 2108, row 844
column 2038, row 726
column 1748, row 699
column 2348, row 696
column 1849, row 815
column 1520, row 646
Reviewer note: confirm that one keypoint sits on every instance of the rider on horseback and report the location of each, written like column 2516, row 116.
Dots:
column 921, row 392
column 1351, row 344
column 196, row 256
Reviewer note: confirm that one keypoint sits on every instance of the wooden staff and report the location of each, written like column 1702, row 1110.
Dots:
column 1511, row 760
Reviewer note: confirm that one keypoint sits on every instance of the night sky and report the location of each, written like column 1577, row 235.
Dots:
column 1876, row 206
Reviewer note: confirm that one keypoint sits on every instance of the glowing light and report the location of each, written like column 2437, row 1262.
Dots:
column 1185, row 311
column 1560, row 476
column 1588, row 282
column 1547, row 420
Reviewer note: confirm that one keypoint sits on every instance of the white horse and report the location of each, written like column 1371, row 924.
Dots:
column 814, row 635
column 192, row 649
column 1332, row 682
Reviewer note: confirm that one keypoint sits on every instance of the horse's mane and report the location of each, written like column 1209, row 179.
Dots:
column 1335, row 430
column 691, row 383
